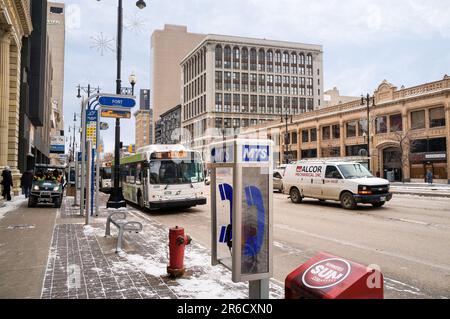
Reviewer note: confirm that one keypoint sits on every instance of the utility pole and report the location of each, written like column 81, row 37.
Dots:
column 366, row 101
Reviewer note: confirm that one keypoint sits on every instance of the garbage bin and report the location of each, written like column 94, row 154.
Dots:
column 329, row 277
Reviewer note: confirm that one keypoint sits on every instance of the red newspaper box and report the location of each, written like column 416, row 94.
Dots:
column 329, row 277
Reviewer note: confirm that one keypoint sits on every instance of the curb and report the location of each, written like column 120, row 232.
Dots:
column 421, row 194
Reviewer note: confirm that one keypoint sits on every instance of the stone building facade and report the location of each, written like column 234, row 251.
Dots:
column 15, row 25
column 230, row 83
column 409, row 132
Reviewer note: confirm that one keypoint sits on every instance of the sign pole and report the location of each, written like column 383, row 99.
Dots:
column 88, row 180
column 97, row 181
column 76, row 181
column 258, row 289
column 83, row 155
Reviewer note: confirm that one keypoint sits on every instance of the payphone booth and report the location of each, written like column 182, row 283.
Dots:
column 241, row 209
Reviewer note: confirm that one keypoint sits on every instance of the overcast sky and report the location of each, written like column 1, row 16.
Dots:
column 364, row 42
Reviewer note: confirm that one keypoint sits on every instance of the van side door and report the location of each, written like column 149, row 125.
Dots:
column 332, row 183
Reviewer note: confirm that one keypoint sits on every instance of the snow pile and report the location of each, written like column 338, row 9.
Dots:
column 12, row 205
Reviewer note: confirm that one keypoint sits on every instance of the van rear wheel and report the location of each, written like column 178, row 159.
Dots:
column 295, row 196
column 347, row 201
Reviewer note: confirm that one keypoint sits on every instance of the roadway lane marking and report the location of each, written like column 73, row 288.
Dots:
column 363, row 247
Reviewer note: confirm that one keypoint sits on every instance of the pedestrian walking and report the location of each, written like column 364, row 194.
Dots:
column 429, row 177
column 26, row 182
column 7, row 183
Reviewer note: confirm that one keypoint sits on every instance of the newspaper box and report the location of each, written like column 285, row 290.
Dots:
column 329, row 277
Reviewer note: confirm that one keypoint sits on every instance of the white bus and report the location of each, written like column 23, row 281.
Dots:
column 163, row 176
column 105, row 177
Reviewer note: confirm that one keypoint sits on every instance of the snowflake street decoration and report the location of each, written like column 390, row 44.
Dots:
column 102, row 44
column 135, row 24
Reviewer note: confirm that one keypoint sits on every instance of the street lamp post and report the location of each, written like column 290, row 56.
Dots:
column 116, row 200
column 366, row 101
column 285, row 118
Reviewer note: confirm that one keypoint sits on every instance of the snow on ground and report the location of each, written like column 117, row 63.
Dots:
column 12, row 205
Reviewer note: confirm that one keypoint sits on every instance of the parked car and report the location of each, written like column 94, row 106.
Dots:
column 348, row 182
column 277, row 181
column 48, row 186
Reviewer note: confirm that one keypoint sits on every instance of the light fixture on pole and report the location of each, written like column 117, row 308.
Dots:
column 132, row 79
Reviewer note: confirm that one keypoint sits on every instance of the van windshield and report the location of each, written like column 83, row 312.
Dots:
column 354, row 171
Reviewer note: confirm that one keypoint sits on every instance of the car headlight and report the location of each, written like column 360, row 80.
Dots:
column 56, row 188
column 36, row 187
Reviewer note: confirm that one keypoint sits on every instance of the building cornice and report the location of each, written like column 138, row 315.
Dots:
column 243, row 41
column 23, row 10
column 426, row 90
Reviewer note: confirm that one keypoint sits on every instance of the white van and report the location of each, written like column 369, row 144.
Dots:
column 348, row 182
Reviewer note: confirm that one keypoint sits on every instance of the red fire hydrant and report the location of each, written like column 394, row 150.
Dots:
column 177, row 243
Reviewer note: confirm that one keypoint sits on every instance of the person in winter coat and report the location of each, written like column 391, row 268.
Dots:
column 26, row 182
column 7, row 183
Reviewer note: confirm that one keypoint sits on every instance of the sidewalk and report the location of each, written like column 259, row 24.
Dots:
column 421, row 189
column 81, row 263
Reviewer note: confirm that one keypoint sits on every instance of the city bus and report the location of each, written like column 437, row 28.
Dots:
column 105, row 177
column 163, row 176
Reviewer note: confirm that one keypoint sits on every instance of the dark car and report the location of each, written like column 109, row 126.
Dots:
column 48, row 186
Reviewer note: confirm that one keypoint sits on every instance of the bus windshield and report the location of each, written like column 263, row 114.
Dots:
column 354, row 171
column 106, row 172
column 169, row 172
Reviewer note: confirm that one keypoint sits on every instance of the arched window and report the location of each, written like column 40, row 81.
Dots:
column 294, row 59
column 269, row 61
column 227, row 58
column 302, row 58
column 261, row 60
column 286, row 62
column 277, row 61
column 236, row 58
column 309, row 60
column 219, row 56
column 244, row 59
column 253, row 57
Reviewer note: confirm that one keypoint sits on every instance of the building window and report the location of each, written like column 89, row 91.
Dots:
column 227, row 81
column 270, row 105
column 294, row 138
column 309, row 153
column 244, row 62
column 262, row 104
column 437, row 117
column 227, row 103
column 236, row 123
column 278, row 104
column 227, row 57
column 326, row 133
column 261, row 60
column 236, row 81
column 336, row 131
column 219, row 56
column 218, row 102
column 396, row 124
column 381, row 124
column 244, row 103
column 418, row 120
column 218, row 123
column 313, row 135
column 356, row 150
column 253, row 57
column 227, row 123
column 253, row 104
column 236, row 58
column 245, row 82
column 219, row 80
column 351, row 129
column 305, row 136
column 331, row 152
column 236, row 103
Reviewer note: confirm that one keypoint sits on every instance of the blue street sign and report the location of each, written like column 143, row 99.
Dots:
column 91, row 116
column 111, row 101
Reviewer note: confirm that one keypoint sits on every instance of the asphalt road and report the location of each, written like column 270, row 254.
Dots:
column 409, row 239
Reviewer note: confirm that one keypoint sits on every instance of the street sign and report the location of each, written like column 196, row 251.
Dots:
column 116, row 114
column 91, row 126
column 118, row 102
column 104, row 126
